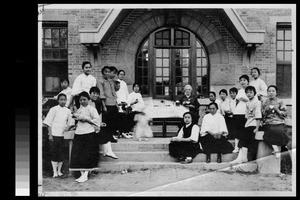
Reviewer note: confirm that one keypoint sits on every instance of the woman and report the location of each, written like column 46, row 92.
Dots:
column 186, row 145
column 259, row 84
column 213, row 134
column 190, row 101
column 85, row 150
column 274, row 114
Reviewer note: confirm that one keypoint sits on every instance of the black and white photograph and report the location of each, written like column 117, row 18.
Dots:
column 166, row 100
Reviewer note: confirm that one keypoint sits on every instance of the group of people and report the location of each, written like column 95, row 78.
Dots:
column 254, row 107
column 100, row 111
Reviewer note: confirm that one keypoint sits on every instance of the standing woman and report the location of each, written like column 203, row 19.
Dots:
column 214, row 134
column 274, row 114
column 85, row 150
column 185, row 146
column 240, row 110
column 190, row 101
column 259, row 84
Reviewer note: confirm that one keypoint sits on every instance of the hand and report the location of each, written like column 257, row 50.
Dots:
column 51, row 138
column 255, row 130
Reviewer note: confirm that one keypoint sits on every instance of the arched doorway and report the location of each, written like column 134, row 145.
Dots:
column 169, row 59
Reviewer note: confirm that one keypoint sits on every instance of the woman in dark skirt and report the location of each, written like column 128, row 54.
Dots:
column 274, row 114
column 186, row 146
column 213, row 134
column 85, row 150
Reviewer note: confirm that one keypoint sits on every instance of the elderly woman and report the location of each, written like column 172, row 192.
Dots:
column 190, row 101
column 213, row 134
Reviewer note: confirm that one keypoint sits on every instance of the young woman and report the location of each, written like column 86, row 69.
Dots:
column 240, row 110
column 58, row 120
column 247, row 137
column 214, row 134
column 185, row 146
column 85, row 150
column 274, row 114
column 191, row 102
column 258, row 83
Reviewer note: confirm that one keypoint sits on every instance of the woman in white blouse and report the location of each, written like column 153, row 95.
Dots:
column 214, row 134
column 85, row 150
column 260, row 85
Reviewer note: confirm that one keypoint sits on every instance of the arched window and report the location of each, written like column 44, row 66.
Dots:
column 170, row 59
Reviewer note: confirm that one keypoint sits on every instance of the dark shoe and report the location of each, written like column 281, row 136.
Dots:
column 207, row 158
column 181, row 159
column 219, row 160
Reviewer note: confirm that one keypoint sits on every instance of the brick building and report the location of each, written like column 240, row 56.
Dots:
column 165, row 49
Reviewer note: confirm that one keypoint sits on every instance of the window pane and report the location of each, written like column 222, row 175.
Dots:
column 158, row 81
column 140, row 72
column 145, row 81
column 178, row 42
column 158, row 52
column 166, row 34
column 139, row 62
column 185, row 62
column 178, row 72
column 280, row 35
column 198, row 62
column 177, row 63
column 279, row 45
column 288, row 56
column 63, row 33
column 178, row 34
column 166, row 43
column 145, row 62
column 166, row 53
column 199, row 80
column 47, row 33
column 55, row 53
column 199, row 51
column 204, row 71
column 178, row 91
column 185, row 71
column 185, row 53
column 166, row 80
column 158, row 35
column 166, row 90
column 186, row 42
column 48, row 53
column 55, row 33
column 158, row 42
column 63, row 43
column 185, row 35
column 165, row 71
column 166, row 62
column 199, row 71
column 198, row 44
column 279, row 55
column 288, row 45
column 64, row 53
column 288, row 35
column 158, row 72
column 145, row 71
column 159, row 91
column 158, row 62
column 204, row 62
column 55, row 43
column 178, row 80
column 185, row 80
column 52, row 84
column 146, row 44
column 47, row 43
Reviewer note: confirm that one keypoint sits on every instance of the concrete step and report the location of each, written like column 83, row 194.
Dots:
column 153, row 144
column 135, row 166
column 160, row 156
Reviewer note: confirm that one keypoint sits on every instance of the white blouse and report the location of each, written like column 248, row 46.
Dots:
column 194, row 134
column 132, row 98
column 214, row 123
column 83, row 83
column 240, row 108
column 122, row 94
column 260, row 87
column 67, row 92
column 58, row 118
column 87, row 112
column 224, row 106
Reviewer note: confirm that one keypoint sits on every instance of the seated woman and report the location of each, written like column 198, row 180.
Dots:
column 190, row 101
column 185, row 146
column 213, row 134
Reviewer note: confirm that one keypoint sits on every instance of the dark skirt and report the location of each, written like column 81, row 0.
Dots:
column 239, row 122
column 85, row 152
column 110, row 118
column 184, row 149
column 247, row 139
column 229, row 120
column 275, row 134
column 212, row 145
column 59, row 149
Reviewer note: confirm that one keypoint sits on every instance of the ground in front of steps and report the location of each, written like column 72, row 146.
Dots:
column 168, row 182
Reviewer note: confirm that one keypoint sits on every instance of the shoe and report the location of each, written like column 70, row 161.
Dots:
column 60, row 174
column 208, row 158
column 81, row 179
column 55, row 176
column 236, row 150
column 111, row 156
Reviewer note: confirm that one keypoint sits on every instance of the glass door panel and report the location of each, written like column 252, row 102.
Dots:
column 162, row 73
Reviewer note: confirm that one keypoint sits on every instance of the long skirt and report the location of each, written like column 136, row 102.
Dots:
column 212, row 145
column 59, row 149
column 239, row 123
column 111, row 119
column 184, row 149
column 275, row 134
column 247, row 139
column 85, row 152
column 230, row 126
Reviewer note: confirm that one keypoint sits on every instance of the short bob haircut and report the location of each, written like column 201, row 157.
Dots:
column 104, row 68
column 121, row 70
column 273, row 86
column 94, row 89
column 234, row 89
column 85, row 63
column 186, row 113
column 61, row 95
column 85, row 94
column 212, row 92
column 213, row 103
column 113, row 68
column 255, row 68
column 250, row 88
column 224, row 91
column 65, row 79
column 135, row 85
column 245, row 77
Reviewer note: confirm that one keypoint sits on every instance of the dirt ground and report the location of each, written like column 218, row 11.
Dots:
column 139, row 181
